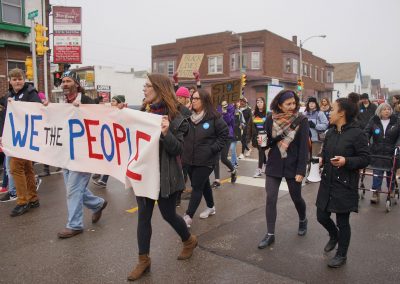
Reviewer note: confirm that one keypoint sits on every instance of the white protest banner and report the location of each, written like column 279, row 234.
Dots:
column 188, row 64
column 89, row 138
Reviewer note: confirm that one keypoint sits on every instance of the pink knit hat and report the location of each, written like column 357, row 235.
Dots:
column 183, row 92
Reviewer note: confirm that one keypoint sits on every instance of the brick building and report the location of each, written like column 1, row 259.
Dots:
column 15, row 38
column 267, row 57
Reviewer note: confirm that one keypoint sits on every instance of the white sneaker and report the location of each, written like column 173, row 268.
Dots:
column 247, row 154
column 241, row 156
column 187, row 220
column 258, row 173
column 206, row 213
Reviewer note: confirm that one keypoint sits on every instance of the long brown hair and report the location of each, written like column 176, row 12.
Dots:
column 163, row 87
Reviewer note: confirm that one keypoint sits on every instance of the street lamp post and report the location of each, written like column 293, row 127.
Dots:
column 240, row 50
column 301, row 59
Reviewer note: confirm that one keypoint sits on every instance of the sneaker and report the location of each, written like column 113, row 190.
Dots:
column 241, row 156
column 95, row 176
column 236, row 166
column 258, row 173
column 206, row 213
column 3, row 190
column 8, row 197
column 234, row 176
column 374, row 197
column 187, row 220
column 216, row 184
column 38, row 182
column 44, row 174
column 100, row 183
column 247, row 153
column 20, row 210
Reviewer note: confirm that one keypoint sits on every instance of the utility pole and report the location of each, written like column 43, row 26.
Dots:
column 44, row 20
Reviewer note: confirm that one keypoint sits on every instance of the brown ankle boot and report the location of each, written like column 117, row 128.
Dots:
column 141, row 268
column 188, row 247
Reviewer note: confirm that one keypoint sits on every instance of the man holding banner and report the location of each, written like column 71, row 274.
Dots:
column 76, row 182
column 22, row 169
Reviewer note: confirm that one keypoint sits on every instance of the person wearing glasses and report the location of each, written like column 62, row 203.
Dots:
column 160, row 99
column 207, row 136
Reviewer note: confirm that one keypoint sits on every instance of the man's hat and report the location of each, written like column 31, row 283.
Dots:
column 73, row 75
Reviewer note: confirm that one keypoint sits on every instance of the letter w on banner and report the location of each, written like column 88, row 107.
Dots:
column 89, row 138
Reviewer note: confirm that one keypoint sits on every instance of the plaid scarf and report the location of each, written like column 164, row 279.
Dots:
column 281, row 126
column 158, row 108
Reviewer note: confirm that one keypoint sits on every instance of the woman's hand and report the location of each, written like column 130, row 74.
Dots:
column 164, row 125
column 299, row 178
column 338, row 161
column 45, row 103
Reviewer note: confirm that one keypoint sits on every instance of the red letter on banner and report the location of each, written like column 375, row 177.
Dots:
column 91, row 138
column 118, row 139
column 139, row 135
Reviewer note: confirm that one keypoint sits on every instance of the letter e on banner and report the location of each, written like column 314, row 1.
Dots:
column 139, row 136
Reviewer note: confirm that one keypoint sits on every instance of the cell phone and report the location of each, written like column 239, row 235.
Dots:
column 335, row 159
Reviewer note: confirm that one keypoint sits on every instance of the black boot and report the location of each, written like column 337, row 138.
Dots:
column 331, row 244
column 266, row 241
column 302, row 227
column 337, row 261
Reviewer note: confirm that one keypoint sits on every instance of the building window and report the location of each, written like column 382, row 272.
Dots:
column 161, row 67
column 154, row 67
column 170, row 68
column 255, row 60
column 234, row 61
column 215, row 63
column 15, row 64
column 310, row 71
column 295, row 66
column 316, row 74
column 322, row 75
column 12, row 11
column 244, row 61
column 288, row 65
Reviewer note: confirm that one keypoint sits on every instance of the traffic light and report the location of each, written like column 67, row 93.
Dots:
column 57, row 78
column 300, row 85
column 243, row 80
column 41, row 39
column 29, row 68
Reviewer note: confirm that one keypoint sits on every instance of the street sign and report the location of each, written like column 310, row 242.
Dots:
column 33, row 14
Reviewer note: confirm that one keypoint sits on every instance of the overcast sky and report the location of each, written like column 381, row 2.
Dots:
column 120, row 33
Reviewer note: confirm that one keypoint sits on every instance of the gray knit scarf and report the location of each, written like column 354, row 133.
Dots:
column 197, row 117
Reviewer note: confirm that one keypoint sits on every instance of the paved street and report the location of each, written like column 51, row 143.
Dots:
column 106, row 252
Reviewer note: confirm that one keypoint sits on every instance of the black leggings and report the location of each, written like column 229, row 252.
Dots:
column 223, row 156
column 262, row 159
column 272, row 187
column 342, row 232
column 244, row 140
column 200, row 179
column 167, row 208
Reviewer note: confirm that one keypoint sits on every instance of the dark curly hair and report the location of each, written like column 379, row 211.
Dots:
column 275, row 102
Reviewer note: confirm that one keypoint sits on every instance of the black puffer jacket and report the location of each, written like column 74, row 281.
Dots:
column 204, row 140
column 383, row 143
column 365, row 114
column 338, row 190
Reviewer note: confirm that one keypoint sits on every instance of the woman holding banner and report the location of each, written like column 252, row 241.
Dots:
column 287, row 135
column 160, row 99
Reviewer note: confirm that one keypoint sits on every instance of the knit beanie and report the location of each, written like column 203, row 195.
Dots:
column 183, row 92
column 73, row 75
column 119, row 98
column 312, row 99
column 364, row 96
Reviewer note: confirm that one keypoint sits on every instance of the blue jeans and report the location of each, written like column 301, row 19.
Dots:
column 78, row 195
column 233, row 153
column 377, row 181
column 11, row 185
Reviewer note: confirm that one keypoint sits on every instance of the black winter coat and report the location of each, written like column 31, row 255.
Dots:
column 366, row 114
column 338, row 190
column 171, row 148
column 297, row 153
column 27, row 94
column 383, row 144
column 204, row 140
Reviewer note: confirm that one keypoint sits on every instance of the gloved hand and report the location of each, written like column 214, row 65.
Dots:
column 196, row 75
column 311, row 124
column 175, row 77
